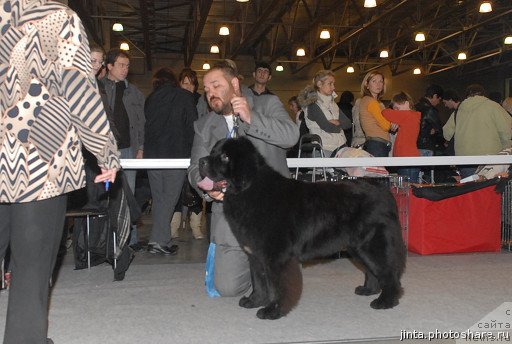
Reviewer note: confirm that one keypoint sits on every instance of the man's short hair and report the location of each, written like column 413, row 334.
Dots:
column 263, row 64
column 164, row 75
column 226, row 66
column 451, row 95
column 113, row 54
column 434, row 89
column 475, row 90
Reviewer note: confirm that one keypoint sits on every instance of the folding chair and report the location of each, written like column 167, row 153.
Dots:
column 311, row 144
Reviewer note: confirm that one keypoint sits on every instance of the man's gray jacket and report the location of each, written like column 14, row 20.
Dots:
column 271, row 131
column 133, row 100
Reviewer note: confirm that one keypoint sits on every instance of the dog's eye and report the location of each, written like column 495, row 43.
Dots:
column 224, row 157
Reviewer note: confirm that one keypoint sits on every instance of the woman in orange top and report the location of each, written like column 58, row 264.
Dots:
column 375, row 126
column 407, row 134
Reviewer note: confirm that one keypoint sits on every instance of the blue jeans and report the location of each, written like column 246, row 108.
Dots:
column 129, row 153
column 412, row 172
column 426, row 152
column 467, row 170
column 377, row 148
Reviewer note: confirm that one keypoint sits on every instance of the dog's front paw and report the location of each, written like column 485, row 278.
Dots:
column 271, row 312
column 362, row 290
column 381, row 303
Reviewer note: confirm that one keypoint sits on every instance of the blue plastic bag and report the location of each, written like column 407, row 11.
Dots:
column 210, row 271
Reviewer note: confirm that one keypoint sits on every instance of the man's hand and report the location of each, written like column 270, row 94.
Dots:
column 140, row 154
column 216, row 195
column 105, row 175
column 241, row 106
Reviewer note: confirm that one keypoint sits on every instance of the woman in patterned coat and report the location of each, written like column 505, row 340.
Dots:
column 49, row 106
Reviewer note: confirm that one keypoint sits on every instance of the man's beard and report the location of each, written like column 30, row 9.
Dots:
column 221, row 108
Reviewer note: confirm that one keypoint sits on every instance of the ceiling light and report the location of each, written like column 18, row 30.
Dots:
column 279, row 67
column 416, row 71
column 242, row 0
column 384, row 53
column 462, row 56
column 206, row 65
column 508, row 40
column 485, row 7
column 420, row 37
column 325, row 34
column 214, row 49
column 350, row 69
column 118, row 27
column 224, row 30
column 301, row 52
column 370, row 3
column 124, row 46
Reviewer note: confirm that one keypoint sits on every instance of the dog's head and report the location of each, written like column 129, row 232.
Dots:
column 231, row 165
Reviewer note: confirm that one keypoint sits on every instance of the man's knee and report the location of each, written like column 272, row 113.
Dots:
column 232, row 287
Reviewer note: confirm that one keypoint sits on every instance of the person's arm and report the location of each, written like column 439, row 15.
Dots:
column 323, row 122
column 432, row 119
column 87, row 110
column 504, row 126
column 272, row 124
column 449, row 128
column 375, row 110
column 189, row 117
column 141, row 120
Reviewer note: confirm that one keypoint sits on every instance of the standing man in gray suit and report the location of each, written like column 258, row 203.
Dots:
column 269, row 128
column 126, row 104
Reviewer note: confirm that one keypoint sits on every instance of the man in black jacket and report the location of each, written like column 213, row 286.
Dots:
column 169, row 132
column 430, row 138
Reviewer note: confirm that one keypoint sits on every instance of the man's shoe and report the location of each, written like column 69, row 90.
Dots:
column 167, row 250
column 137, row 247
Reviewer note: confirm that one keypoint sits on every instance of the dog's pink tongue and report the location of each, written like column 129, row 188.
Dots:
column 206, row 184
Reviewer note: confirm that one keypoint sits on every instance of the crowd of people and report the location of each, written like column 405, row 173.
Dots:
column 76, row 94
column 404, row 128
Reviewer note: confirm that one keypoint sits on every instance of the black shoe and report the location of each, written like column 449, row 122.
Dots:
column 137, row 247
column 167, row 250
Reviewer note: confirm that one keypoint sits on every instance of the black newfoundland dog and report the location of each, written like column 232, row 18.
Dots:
column 281, row 222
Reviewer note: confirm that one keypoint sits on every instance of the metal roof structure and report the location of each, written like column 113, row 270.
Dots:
column 273, row 30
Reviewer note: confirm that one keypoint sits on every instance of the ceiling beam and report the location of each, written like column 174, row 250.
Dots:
column 191, row 41
column 274, row 11
column 144, row 5
column 312, row 26
column 354, row 33
column 443, row 39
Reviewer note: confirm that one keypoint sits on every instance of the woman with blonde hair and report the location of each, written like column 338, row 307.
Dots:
column 375, row 126
column 321, row 113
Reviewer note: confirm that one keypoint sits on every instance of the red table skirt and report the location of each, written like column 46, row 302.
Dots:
column 466, row 223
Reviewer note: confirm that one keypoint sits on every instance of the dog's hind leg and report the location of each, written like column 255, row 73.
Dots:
column 371, row 284
column 391, row 290
column 382, row 273
column 259, row 296
column 286, row 287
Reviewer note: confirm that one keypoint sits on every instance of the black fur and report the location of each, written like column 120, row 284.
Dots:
column 281, row 222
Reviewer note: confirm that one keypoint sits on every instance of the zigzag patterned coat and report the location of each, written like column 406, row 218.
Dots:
column 49, row 103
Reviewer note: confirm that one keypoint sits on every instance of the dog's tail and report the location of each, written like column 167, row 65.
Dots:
column 291, row 281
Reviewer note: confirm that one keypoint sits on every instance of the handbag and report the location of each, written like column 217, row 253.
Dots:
column 189, row 196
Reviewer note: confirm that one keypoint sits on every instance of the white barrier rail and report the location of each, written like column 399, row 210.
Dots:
column 130, row 164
